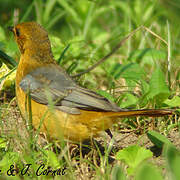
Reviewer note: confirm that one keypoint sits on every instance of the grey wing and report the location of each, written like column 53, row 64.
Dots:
column 52, row 83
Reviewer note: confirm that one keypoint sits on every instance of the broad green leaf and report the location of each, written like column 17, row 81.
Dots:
column 174, row 102
column 10, row 158
column 101, row 37
column 133, row 156
column 130, row 71
column 173, row 160
column 3, row 142
column 147, row 55
column 83, row 7
column 117, row 173
column 57, row 46
column 128, row 100
column 144, row 87
column 158, row 89
column 148, row 172
column 33, row 157
column 116, row 70
column 8, row 77
column 12, row 49
column 52, row 159
column 143, row 100
column 76, row 46
column 158, row 139
column 133, row 72
column 106, row 95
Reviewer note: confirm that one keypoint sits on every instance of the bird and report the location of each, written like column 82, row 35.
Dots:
column 60, row 107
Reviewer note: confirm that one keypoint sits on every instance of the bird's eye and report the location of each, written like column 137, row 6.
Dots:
column 17, row 32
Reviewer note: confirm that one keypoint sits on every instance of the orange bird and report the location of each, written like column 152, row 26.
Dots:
column 78, row 113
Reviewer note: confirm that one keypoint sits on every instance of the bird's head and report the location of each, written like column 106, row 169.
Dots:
column 29, row 35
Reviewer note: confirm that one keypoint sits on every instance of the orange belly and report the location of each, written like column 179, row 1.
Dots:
column 59, row 125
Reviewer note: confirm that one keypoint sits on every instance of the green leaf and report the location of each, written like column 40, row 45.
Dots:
column 52, row 159
column 133, row 72
column 27, row 13
column 144, row 87
column 2, row 34
column 128, row 100
column 173, row 160
column 116, row 70
column 70, row 11
column 133, row 156
column 148, row 172
column 2, row 78
column 57, row 46
column 48, row 8
column 117, row 173
column 72, row 67
column 76, row 46
column 63, row 53
column 158, row 89
column 158, row 139
column 147, row 55
column 2, row 44
column 9, row 158
column 106, row 95
column 9, row 61
column 32, row 157
column 143, row 99
column 130, row 71
column 174, row 102
column 3, row 142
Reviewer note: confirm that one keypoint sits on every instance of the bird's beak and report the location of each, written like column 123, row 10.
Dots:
column 11, row 28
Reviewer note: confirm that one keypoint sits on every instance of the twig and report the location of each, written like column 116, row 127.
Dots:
column 154, row 34
column 16, row 16
column 169, row 55
column 109, row 54
column 117, row 47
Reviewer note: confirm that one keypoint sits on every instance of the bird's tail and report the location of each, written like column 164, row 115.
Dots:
column 142, row 112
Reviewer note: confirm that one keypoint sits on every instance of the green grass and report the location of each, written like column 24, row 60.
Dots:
column 143, row 73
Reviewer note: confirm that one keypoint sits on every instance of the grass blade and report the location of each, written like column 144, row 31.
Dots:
column 9, row 61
